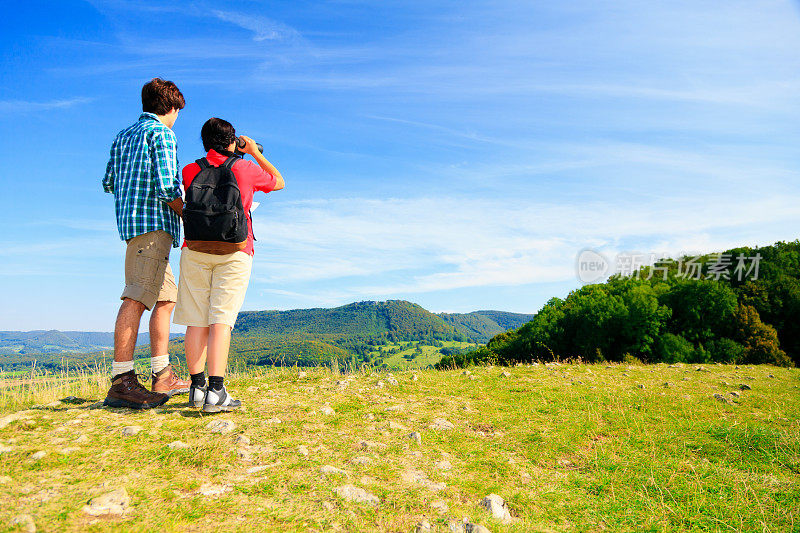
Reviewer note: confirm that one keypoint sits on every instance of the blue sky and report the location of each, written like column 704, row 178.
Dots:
column 456, row 154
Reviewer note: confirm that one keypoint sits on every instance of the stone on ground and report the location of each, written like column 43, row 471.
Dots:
column 114, row 502
column 38, row 456
column 24, row 522
column 129, row 431
column 327, row 410
column 302, row 450
column 423, row 526
column 496, row 505
column 332, row 470
column 211, row 489
column 443, row 465
column 356, row 494
column 441, row 423
column 177, row 445
column 361, row 460
column 221, row 426
column 745, row 387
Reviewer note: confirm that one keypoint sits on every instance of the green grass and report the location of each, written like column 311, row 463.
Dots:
column 430, row 354
column 570, row 448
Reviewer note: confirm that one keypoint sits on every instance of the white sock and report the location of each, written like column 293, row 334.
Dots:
column 157, row 364
column 120, row 367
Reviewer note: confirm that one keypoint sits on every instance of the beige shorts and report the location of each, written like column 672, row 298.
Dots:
column 211, row 288
column 148, row 277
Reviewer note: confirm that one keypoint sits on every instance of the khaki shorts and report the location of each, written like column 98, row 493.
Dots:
column 211, row 288
column 148, row 277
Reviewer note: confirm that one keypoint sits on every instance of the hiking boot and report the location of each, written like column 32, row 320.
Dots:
column 126, row 391
column 197, row 395
column 219, row 400
column 168, row 382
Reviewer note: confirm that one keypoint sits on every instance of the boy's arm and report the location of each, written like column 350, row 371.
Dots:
column 251, row 148
column 108, row 180
column 165, row 170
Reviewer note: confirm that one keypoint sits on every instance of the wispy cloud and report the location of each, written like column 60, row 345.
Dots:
column 26, row 106
column 263, row 28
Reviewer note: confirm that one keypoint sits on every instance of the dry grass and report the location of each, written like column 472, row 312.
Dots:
column 570, row 447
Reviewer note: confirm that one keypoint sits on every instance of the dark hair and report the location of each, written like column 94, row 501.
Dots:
column 161, row 96
column 217, row 134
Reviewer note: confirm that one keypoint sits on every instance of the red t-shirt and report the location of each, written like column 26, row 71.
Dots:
column 249, row 176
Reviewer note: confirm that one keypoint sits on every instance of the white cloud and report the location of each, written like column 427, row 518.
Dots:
column 263, row 28
column 25, row 106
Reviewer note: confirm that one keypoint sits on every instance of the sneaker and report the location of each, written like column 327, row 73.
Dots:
column 197, row 395
column 219, row 400
column 126, row 391
column 168, row 382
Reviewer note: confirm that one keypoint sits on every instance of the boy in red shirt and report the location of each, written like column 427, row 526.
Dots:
column 214, row 275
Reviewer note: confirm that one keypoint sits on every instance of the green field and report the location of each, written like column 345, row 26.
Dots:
column 427, row 356
column 569, row 447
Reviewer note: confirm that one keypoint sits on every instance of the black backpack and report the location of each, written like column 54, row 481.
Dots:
column 213, row 210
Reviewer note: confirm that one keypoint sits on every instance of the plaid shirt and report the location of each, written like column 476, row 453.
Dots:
column 142, row 173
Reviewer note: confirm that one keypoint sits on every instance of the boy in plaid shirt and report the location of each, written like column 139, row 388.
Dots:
column 142, row 173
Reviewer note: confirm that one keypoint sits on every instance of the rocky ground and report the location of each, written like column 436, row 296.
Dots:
column 529, row 448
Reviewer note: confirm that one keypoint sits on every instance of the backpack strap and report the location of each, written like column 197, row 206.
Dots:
column 229, row 162
column 202, row 163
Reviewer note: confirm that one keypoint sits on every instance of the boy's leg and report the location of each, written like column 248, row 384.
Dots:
column 195, row 344
column 219, row 342
column 164, row 378
column 142, row 268
column 228, row 287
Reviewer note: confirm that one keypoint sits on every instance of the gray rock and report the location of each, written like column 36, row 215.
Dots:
column 392, row 381
column 414, row 377
column 469, row 527
column 301, row 375
column 443, row 465
column 505, row 374
column 745, row 387
column 415, row 436
column 242, row 440
column 329, row 470
column 327, row 410
column 38, row 456
column 423, row 526
column 770, row 376
column 397, row 426
column 441, row 423
column 83, row 439
column 356, row 494
column 496, row 505
column 24, row 522
column 639, row 386
column 720, row 398
column 456, row 526
column 5, row 449
column 361, row 460
column 177, row 445
column 210, row 489
column 116, row 502
column 734, row 394
column 129, row 431
column 221, row 426
column 302, row 450
column 440, row 506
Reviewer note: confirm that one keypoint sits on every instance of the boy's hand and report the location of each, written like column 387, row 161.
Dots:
column 250, row 145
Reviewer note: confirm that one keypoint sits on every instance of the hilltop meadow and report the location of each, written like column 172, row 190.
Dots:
column 565, row 447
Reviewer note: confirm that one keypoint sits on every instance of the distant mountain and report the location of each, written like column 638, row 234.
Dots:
column 396, row 319
column 483, row 325
column 368, row 332
column 54, row 341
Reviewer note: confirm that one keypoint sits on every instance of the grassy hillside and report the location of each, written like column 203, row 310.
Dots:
column 395, row 318
column 56, row 342
column 569, row 448
column 481, row 326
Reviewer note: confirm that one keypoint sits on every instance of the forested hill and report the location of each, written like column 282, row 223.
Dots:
column 54, row 341
column 393, row 333
column 394, row 319
column 483, row 325
column 739, row 306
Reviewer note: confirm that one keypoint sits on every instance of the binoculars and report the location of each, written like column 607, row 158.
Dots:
column 241, row 144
